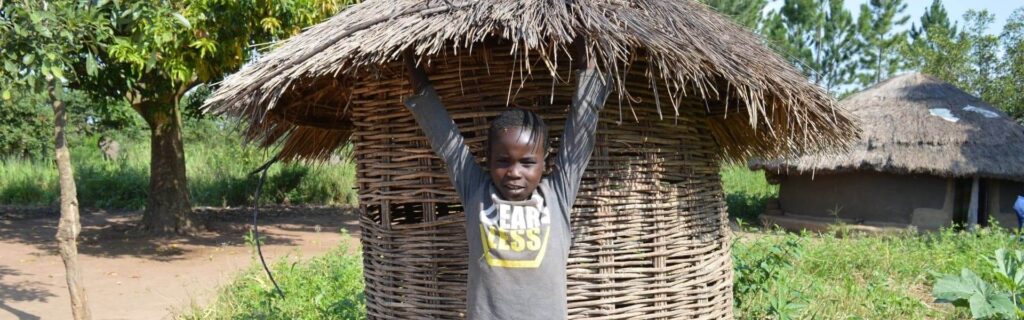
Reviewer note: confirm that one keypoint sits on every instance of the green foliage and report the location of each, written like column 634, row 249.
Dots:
column 147, row 53
column 989, row 66
column 327, row 287
column 91, row 114
column 997, row 295
column 161, row 46
column 26, row 182
column 1012, row 83
column 26, row 122
column 46, row 43
column 984, row 59
column 218, row 163
column 939, row 49
column 877, row 24
column 762, row 271
column 747, row 13
column 780, row 276
column 934, row 15
column 26, row 125
column 746, row 191
column 818, row 37
column 858, row 277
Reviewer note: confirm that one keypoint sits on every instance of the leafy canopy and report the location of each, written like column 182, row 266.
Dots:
column 46, row 43
column 168, row 47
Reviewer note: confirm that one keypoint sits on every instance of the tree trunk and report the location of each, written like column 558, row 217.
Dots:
column 69, row 226
column 168, row 208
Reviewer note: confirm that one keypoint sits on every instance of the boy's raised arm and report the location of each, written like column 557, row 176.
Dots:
column 592, row 89
column 442, row 133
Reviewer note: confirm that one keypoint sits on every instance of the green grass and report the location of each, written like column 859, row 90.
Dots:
column 777, row 274
column 746, row 191
column 217, row 165
column 326, row 287
column 856, row 277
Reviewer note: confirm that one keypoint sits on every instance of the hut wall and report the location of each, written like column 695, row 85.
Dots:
column 1002, row 194
column 921, row 200
column 650, row 237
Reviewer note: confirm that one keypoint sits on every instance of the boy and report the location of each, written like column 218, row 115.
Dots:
column 517, row 220
column 1019, row 207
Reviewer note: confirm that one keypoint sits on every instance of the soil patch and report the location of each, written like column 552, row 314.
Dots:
column 129, row 275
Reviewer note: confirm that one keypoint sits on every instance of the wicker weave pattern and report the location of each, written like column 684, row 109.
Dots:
column 649, row 237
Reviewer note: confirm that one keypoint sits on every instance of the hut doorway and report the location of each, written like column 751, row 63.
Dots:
column 962, row 202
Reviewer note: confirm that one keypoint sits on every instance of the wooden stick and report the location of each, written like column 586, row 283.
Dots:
column 69, row 225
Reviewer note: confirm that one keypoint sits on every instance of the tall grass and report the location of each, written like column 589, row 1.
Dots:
column 746, row 191
column 217, row 165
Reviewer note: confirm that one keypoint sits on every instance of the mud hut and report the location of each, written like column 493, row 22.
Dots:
column 650, row 238
column 930, row 155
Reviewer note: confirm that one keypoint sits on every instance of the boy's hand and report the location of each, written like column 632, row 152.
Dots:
column 417, row 76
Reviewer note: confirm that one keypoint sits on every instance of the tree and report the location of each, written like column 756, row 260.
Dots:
column 938, row 48
column 747, row 13
column 162, row 49
column 25, row 127
column 877, row 23
column 42, row 43
column 984, row 56
column 934, row 16
column 1012, row 83
column 818, row 36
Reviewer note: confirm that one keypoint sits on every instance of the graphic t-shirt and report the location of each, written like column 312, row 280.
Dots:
column 517, row 249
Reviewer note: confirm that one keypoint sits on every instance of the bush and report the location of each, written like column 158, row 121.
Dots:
column 327, row 287
column 26, row 128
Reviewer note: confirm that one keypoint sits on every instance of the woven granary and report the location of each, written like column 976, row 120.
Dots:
column 651, row 241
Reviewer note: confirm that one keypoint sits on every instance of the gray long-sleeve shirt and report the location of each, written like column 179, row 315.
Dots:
column 517, row 249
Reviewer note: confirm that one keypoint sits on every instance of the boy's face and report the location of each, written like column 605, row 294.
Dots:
column 516, row 163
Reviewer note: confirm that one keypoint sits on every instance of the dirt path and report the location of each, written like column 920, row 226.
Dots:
column 128, row 276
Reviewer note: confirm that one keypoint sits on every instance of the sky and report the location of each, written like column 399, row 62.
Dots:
column 956, row 8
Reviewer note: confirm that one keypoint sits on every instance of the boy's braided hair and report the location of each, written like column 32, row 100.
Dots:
column 532, row 124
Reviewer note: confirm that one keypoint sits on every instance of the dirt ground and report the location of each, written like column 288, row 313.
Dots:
column 133, row 276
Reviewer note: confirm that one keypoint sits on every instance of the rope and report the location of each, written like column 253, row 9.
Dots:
column 255, row 226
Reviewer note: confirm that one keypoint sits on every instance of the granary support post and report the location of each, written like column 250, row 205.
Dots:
column 972, row 210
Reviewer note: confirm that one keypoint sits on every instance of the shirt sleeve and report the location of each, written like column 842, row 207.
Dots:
column 446, row 141
column 592, row 90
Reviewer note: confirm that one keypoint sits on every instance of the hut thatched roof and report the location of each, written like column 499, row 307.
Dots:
column 916, row 123
column 759, row 104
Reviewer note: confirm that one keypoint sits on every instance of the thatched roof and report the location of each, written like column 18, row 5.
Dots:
column 297, row 94
column 916, row 123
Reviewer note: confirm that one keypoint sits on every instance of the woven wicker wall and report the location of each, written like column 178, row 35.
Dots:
column 650, row 239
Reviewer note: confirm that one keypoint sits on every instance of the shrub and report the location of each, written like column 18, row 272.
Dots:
column 327, row 287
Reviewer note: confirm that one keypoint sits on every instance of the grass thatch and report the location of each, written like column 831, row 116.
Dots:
column 757, row 103
column 902, row 135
